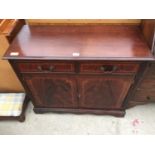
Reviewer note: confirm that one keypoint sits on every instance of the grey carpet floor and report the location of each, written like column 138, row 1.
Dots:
column 138, row 120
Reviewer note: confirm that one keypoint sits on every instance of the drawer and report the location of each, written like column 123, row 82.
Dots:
column 147, row 83
column 144, row 96
column 151, row 71
column 134, row 103
column 46, row 67
column 109, row 67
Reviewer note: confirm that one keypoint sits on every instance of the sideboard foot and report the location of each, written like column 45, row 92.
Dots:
column 38, row 111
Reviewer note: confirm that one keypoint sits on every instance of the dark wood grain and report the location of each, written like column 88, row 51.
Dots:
column 46, row 67
column 106, row 92
column 53, row 91
column 91, row 42
column 108, row 67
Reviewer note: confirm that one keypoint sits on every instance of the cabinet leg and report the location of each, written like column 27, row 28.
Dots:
column 21, row 119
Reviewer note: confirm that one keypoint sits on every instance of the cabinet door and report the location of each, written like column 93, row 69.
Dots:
column 52, row 91
column 107, row 92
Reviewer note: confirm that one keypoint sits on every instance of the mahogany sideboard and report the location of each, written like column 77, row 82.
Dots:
column 99, row 69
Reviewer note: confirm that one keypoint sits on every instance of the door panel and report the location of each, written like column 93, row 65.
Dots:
column 53, row 91
column 107, row 92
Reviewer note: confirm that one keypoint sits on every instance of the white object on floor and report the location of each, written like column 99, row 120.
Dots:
column 11, row 104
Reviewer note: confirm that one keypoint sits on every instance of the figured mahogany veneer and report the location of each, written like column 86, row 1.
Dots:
column 53, row 91
column 46, row 67
column 83, row 68
column 108, row 67
column 107, row 92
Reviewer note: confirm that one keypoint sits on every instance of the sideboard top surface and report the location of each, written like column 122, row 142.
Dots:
column 86, row 42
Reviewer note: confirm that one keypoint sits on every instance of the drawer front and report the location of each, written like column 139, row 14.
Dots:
column 147, row 83
column 46, row 67
column 109, row 67
column 144, row 96
column 151, row 71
